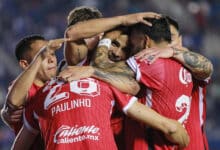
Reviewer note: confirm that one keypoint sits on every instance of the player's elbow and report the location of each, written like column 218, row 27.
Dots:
column 14, row 102
column 72, row 33
column 204, row 73
column 134, row 89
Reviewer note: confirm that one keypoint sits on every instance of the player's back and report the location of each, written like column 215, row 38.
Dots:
column 76, row 115
column 168, row 90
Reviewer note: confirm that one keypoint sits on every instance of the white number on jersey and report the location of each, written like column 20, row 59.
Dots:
column 183, row 102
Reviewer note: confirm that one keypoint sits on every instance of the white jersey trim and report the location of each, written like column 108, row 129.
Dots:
column 201, row 97
column 135, row 67
column 130, row 103
column 28, row 126
column 148, row 97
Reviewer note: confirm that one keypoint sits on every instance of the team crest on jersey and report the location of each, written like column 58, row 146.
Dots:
column 184, row 76
column 88, row 87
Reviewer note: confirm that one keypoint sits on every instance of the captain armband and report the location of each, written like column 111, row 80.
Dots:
column 105, row 42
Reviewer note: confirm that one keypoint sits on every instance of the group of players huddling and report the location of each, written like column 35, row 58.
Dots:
column 125, row 82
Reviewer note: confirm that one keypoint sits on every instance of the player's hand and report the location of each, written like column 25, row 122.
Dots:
column 139, row 18
column 11, row 116
column 51, row 47
column 179, row 136
column 152, row 54
column 72, row 73
column 57, row 43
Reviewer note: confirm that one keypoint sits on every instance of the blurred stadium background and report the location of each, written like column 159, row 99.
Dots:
column 199, row 22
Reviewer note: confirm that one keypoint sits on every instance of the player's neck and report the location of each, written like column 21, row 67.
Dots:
column 160, row 44
column 38, row 82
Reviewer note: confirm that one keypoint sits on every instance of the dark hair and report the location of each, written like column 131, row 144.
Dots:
column 159, row 31
column 82, row 14
column 173, row 22
column 24, row 45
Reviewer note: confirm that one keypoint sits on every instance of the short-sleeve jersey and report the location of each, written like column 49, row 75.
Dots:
column 168, row 91
column 31, row 92
column 76, row 114
column 38, row 143
column 197, row 117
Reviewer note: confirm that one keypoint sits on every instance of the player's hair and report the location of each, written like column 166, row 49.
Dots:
column 173, row 22
column 82, row 13
column 158, row 32
column 24, row 45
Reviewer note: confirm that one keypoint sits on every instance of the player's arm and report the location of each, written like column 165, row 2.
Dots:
column 173, row 130
column 16, row 96
column 119, row 77
column 24, row 139
column 117, row 74
column 75, row 51
column 10, row 116
column 200, row 67
column 83, row 29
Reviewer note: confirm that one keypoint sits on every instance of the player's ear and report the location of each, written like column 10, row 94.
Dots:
column 23, row 64
column 180, row 41
column 147, row 41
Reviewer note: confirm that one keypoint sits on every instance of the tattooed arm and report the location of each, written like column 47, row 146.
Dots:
column 117, row 74
column 199, row 65
column 120, row 76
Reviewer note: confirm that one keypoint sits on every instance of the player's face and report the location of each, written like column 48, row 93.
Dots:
column 49, row 65
column 175, row 37
column 118, row 49
column 137, row 42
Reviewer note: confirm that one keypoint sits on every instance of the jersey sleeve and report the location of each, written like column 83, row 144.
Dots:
column 29, row 117
column 124, row 101
column 151, row 75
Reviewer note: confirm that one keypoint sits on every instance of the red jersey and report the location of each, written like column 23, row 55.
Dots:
column 76, row 114
column 169, row 87
column 38, row 143
column 197, row 117
column 31, row 92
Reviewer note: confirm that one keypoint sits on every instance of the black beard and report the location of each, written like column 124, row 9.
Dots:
column 136, row 49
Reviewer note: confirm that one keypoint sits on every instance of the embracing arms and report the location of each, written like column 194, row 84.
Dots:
column 200, row 67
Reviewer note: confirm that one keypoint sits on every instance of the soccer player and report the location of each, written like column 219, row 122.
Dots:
column 84, row 39
column 190, row 65
column 78, row 100
column 37, row 58
column 203, row 69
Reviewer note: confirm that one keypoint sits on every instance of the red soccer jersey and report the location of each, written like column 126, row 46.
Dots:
column 31, row 92
column 38, row 143
column 76, row 114
column 169, row 86
column 197, row 117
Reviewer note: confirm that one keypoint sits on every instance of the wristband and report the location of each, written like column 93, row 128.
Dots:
column 105, row 42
